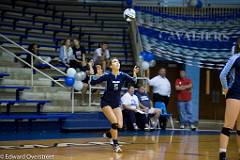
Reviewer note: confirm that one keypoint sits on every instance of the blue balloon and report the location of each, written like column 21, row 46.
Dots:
column 143, row 53
column 69, row 81
column 149, row 57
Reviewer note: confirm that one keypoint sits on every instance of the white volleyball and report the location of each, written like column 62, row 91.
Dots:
column 129, row 14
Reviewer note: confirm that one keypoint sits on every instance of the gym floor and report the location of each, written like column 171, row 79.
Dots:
column 154, row 145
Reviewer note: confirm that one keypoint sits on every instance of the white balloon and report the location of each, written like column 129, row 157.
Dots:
column 80, row 76
column 192, row 3
column 145, row 65
column 71, row 72
column 140, row 58
column 152, row 63
column 78, row 85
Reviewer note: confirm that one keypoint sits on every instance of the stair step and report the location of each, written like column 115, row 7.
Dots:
column 40, row 82
column 68, row 108
column 86, row 124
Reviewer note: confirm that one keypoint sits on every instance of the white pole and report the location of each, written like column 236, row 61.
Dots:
column 32, row 70
column 72, row 99
column 90, row 93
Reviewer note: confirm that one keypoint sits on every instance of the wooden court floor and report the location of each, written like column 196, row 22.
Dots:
column 150, row 147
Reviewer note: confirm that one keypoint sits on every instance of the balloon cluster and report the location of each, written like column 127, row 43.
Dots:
column 147, row 60
column 75, row 79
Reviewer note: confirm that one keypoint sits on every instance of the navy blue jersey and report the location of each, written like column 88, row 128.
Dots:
column 230, row 77
column 143, row 99
column 236, row 84
column 112, row 93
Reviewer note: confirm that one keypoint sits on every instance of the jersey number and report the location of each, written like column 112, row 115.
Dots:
column 115, row 87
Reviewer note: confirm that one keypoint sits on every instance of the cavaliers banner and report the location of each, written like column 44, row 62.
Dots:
column 203, row 41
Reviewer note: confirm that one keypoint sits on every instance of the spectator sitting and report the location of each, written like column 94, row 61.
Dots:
column 102, row 56
column 133, row 115
column 78, row 51
column 145, row 104
column 99, row 72
column 33, row 48
column 66, row 55
column 89, row 68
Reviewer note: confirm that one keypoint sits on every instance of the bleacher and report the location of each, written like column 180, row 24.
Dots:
column 66, row 121
column 27, row 22
column 47, row 23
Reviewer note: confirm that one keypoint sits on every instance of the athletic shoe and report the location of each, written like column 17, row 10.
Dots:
column 111, row 142
column 135, row 127
column 193, row 128
column 182, row 127
column 154, row 123
column 222, row 156
column 147, row 129
column 116, row 148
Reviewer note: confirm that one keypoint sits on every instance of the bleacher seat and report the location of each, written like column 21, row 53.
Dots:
column 61, row 117
column 10, row 103
column 3, row 75
column 17, row 88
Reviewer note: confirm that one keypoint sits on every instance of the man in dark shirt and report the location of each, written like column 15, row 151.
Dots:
column 79, row 52
column 145, row 104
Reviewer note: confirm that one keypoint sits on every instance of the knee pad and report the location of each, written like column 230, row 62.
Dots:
column 226, row 131
column 119, row 128
column 238, row 132
column 108, row 134
column 115, row 126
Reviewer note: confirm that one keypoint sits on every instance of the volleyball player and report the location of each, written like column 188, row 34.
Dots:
column 111, row 99
column 230, row 80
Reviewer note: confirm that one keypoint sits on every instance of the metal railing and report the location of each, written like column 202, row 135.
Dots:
column 36, row 69
column 35, row 56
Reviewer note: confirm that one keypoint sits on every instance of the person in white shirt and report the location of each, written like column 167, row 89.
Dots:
column 133, row 115
column 66, row 55
column 102, row 55
column 66, row 52
column 161, row 92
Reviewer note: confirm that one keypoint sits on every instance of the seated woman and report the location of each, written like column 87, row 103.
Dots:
column 102, row 55
column 134, row 116
column 78, row 50
column 33, row 48
column 96, row 92
column 66, row 55
column 89, row 69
